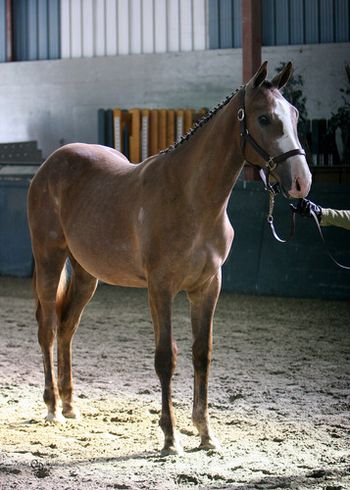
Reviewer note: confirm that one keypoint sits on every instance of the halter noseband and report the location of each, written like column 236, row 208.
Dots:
column 270, row 162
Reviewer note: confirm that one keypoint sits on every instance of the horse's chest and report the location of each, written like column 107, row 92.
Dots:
column 206, row 252
column 185, row 253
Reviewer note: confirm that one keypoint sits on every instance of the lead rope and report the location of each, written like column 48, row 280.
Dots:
column 342, row 266
column 272, row 194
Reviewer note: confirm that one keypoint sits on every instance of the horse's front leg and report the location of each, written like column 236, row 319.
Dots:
column 160, row 302
column 203, row 304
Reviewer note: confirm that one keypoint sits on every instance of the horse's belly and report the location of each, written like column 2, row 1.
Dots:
column 115, row 264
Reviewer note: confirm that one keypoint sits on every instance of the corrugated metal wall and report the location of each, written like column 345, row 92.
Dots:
column 36, row 32
column 111, row 27
column 3, row 44
column 305, row 21
column 225, row 24
column 284, row 22
column 47, row 29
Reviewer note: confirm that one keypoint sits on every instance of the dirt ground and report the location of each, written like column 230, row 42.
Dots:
column 279, row 397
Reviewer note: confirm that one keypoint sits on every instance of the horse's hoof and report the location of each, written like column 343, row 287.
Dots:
column 55, row 418
column 71, row 413
column 173, row 449
column 211, row 443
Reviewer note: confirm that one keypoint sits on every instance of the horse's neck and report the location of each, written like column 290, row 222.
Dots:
column 211, row 160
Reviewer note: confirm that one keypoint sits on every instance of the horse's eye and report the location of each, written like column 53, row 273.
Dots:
column 264, row 120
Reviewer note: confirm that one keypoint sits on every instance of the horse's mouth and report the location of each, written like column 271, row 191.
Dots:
column 278, row 188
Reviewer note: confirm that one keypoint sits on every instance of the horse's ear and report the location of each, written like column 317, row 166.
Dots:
column 283, row 76
column 259, row 77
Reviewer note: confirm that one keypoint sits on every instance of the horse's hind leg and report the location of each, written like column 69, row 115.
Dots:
column 203, row 304
column 80, row 290
column 46, row 280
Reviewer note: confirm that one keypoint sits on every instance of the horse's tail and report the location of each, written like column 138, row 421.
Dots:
column 62, row 288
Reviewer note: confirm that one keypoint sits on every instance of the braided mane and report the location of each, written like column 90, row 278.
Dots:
column 198, row 124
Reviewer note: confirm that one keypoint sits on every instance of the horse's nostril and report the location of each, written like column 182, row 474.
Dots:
column 297, row 185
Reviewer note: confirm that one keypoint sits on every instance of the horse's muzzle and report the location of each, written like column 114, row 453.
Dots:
column 300, row 186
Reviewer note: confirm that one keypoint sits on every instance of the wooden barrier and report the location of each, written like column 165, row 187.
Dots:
column 140, row 133
column 135, row 136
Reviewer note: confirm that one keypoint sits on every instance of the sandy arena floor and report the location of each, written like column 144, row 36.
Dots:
column 279, row 397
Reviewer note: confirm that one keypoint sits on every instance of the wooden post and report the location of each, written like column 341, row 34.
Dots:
column 251, row 37
column 154, row 130
column 134, row 138
column 251, row 44
column 9, row 33
column 171, row 135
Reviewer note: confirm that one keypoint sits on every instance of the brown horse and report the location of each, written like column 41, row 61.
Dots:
column 161, row 225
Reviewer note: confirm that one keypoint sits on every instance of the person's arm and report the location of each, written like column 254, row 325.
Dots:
column 325, row 216
column 335, row 217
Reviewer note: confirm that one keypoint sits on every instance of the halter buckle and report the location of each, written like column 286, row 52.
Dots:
column 240, row 114
column 271, row 164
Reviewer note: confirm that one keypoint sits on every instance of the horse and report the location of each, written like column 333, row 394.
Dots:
column 161, row 224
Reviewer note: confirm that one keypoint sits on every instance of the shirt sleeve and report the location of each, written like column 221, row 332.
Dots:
column 335, row 217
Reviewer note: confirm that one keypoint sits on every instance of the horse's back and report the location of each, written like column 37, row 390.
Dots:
column 86, row 198
column 75, row 158
column 75, row 172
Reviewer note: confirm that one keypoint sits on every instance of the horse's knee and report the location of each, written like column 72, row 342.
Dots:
column 46, row 335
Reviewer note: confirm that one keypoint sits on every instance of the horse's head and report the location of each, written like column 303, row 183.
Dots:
column 269, row 126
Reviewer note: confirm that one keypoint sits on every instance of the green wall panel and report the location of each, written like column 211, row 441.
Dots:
column 259, row 264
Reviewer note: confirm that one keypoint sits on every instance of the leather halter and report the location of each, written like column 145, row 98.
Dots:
column 270, row 162
column 270, row 165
